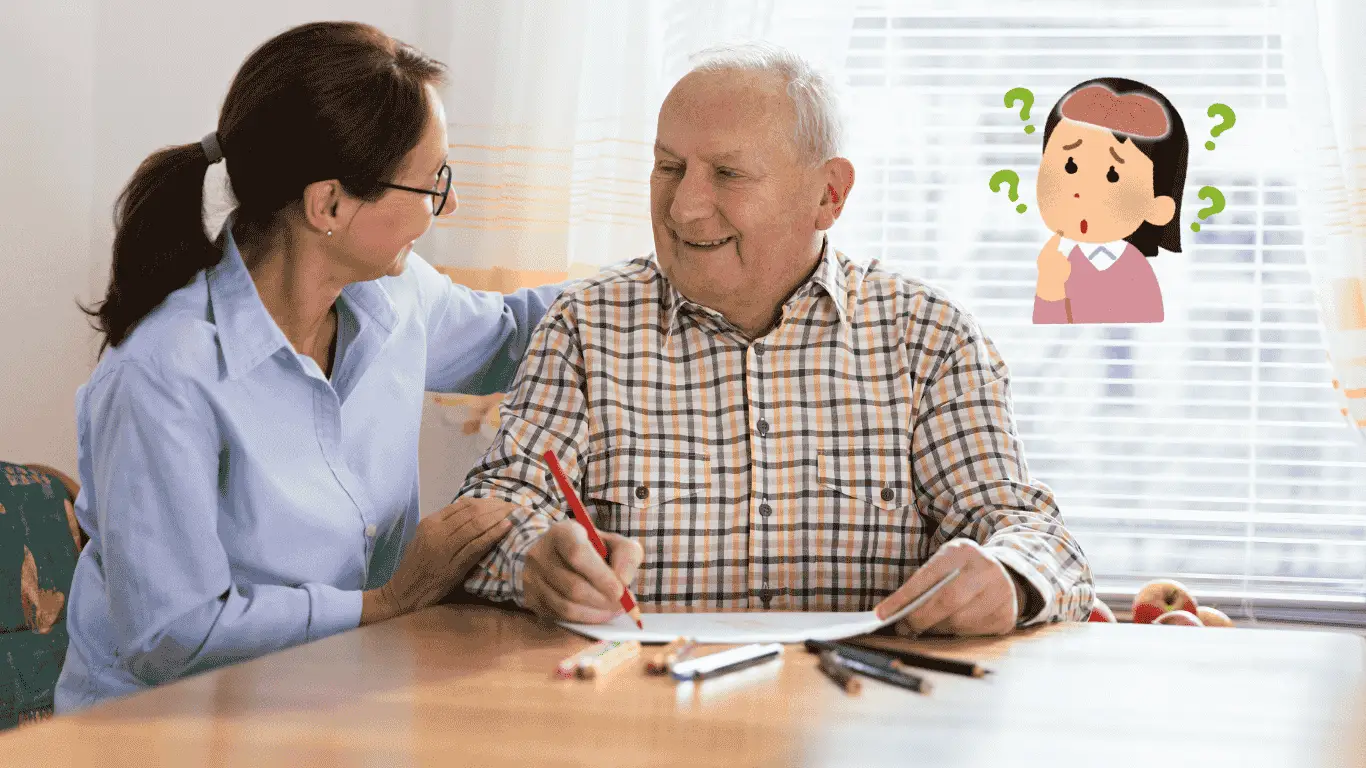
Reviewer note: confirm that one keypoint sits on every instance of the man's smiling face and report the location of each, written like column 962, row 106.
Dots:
column 732, row 202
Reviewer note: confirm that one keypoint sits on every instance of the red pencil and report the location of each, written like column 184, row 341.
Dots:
column 580, row 514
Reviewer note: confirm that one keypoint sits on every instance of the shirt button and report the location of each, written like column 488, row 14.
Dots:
column 762, row 426
column 759, row 349
column 370, row 531
column 642, row 493
column 888, row 494
column 765, row 510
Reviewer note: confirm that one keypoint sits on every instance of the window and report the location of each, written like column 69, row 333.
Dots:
column 1207, row 448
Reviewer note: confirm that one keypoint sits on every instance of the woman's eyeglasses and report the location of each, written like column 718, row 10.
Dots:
column 439, row 194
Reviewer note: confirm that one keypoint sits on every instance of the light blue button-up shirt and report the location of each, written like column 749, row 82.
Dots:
column 238, row 501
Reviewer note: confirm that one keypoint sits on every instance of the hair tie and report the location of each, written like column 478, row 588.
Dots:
column 211, row 148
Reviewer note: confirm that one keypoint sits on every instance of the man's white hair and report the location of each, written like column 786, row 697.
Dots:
column 815, row 98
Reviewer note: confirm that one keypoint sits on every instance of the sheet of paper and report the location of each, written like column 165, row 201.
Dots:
column 752, row 627
column 758, row 627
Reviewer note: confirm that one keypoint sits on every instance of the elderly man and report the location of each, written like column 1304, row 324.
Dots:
column 759, row 422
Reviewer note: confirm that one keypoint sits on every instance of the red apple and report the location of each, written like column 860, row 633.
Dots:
column 1179, row 619
column 1101, row 612
column 1213, row 617
column 1161, row 596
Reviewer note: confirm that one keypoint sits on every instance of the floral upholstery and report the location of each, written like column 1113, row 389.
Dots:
column 39, row 542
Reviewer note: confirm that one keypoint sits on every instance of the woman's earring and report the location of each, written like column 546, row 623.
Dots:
column 329, row 233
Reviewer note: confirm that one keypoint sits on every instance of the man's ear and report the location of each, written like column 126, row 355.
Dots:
column 838, row 174
column 1161, row 211
column 320, row 202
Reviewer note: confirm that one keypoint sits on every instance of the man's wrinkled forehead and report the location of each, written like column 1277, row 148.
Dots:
column 1133, row 114
column 727, row 113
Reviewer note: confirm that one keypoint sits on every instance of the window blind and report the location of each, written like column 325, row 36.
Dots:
column 1207, row 448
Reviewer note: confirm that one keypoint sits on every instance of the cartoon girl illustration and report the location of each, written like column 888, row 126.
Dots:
column 1114, row 164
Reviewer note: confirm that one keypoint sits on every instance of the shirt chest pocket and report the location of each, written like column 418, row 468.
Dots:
column 863, row 482
column 647, row 495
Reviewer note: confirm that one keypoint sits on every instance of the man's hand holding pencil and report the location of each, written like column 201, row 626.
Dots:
column 564, row 577
column 575, row 573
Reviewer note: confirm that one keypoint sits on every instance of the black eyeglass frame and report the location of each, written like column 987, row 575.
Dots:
column 439, row 195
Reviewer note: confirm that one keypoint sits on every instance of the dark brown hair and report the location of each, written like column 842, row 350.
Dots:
column 327, row 100
column 1169, row 155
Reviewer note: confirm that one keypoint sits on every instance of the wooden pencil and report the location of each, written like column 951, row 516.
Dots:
column 619, row 653
column 842, row 676
column 664, row 658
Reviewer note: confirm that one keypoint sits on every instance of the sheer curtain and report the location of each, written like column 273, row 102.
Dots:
column 1326, row 75
column 551, row 108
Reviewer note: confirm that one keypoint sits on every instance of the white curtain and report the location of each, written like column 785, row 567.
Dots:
column 552, row 107
column 1326, row 87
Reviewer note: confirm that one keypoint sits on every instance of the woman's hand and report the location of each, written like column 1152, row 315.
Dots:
column 1054, row 269
column 447, row 545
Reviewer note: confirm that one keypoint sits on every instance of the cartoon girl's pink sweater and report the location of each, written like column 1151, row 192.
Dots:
column 1126, row 292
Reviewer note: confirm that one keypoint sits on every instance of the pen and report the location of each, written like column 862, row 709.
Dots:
column 576, row 510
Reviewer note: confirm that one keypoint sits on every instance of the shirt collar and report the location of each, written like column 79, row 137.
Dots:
column 1101, row 255
column 829, row 276
column 247, row 333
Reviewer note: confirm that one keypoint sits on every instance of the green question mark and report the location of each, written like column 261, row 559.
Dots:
column 1216, row 204
column 1027, row 96
column 1226, row 112
column 1012, row 180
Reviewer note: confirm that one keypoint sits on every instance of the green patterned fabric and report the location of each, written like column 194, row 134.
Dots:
column 39, row 542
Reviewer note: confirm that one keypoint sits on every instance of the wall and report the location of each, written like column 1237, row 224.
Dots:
column 88, row 90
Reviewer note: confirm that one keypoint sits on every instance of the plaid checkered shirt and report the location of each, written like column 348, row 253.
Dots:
column 812, row 469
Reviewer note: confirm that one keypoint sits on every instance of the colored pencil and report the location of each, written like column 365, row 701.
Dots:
column 615, row 655
column 570, row 665
column 842, row 676
column 899, row 679
column 908, row 658
column 668, row 655
column 897, row 660
column 628, row 601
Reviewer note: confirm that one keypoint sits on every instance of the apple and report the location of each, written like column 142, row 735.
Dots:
column 1179, row 619
column 1162, row 596
column 1213, row 617
column 1101, row 612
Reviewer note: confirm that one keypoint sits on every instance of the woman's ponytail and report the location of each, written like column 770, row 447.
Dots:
column 159, row 240
column 325, row 100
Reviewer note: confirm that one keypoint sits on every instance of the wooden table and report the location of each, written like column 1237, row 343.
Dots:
column 460, row 685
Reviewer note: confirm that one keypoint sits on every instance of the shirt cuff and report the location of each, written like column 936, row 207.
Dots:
column 520, row 542
column 1019, row 564
column 331, row 610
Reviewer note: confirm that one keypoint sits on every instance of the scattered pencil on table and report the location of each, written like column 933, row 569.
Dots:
column 897, row 660
column 726, row 662
column 904, row 658
column 614, row 655
column 580, row 515
column 665, row 657
column 842, row 676
column 570, row 665
column 882, row 674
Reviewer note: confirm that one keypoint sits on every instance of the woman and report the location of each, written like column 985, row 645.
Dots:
column 1109, row 189
column 248, row 444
